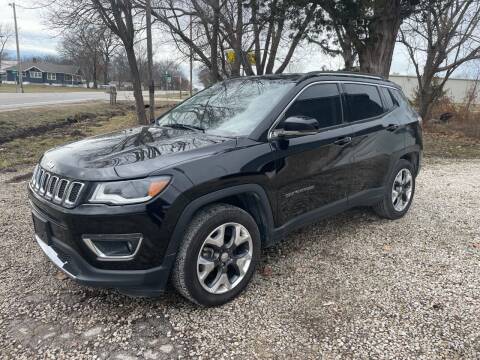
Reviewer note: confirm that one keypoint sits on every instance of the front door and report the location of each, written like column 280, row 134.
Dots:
column 313, row 171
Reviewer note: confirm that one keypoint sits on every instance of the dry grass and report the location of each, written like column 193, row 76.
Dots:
column 27, row 149
column 465, row 119
column 25, row 122
column 449, row 145
column 459, row 137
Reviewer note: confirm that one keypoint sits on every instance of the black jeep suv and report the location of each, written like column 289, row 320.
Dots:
column 194, row 197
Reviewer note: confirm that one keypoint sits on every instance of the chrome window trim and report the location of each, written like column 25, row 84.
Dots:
column 270, row 134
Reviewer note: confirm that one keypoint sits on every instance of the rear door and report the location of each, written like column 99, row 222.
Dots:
column 376, row 136
column 313, row 171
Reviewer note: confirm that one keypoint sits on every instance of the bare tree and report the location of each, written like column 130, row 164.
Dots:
column 333, row 39
column 261, row 28
column 439, row 39
column 82, row 46
column 122, row 17
column 6, row 33
column 363, row 29
column 108, row 45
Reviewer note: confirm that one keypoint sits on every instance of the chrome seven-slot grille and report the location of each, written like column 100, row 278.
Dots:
column 57, row 189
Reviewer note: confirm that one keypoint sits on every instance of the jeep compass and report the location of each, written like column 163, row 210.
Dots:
column 193, row 198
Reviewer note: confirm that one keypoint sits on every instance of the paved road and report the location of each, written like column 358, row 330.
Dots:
column 13, row 101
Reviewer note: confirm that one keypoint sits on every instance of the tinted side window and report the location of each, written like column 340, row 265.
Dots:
column 363, row 100
column 397, row 97
column 388, row 105
column 321, row 102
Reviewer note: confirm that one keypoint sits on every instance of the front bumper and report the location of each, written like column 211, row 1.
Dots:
column 60, row 232
column 151, row 282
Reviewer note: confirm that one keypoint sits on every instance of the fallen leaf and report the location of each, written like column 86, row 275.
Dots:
column 60, row 275
column 267, row 271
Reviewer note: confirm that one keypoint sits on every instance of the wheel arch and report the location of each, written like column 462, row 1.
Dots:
column 414, row 158
column 249, row 197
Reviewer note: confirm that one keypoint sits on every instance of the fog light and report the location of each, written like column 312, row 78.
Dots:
column 113, row 247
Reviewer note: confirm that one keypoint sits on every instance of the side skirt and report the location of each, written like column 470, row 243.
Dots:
column 364, row 198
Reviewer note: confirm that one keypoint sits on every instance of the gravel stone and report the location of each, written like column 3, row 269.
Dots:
column 352, row 286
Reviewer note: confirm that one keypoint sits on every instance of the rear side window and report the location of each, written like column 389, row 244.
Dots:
column 363, row 101
column 397, row 97
column 321, row 102
column 388, row 100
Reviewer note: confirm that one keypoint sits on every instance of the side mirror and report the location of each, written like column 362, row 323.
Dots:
column 297, row 126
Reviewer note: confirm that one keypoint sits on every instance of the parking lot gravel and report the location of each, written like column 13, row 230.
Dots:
column 352, row 286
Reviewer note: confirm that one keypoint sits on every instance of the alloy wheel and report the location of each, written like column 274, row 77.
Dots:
column 402, row 190
column 224, row 258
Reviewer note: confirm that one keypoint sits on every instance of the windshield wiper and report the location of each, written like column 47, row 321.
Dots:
column 185, row 127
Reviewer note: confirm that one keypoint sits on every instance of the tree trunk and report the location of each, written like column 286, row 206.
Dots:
column 348, row 56
column 105, row 69
column 94, row 74
column 137, row 85
column 375, row 56
column 427, row 96
column 214, row 76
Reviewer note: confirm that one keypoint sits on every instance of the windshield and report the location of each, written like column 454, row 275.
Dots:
column 230, row 108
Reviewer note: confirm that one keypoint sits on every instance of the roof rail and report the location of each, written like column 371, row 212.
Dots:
column 339, row 73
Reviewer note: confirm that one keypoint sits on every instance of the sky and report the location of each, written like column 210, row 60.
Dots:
column 37, row 39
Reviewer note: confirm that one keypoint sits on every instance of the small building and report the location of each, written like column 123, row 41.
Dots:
column 456, row 89
column 4, row 64
column 45, row 73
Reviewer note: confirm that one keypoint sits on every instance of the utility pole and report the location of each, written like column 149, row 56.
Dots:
column 19, row 70
column 180, row 80
column 151, row 84
column 191, row 57
column 1, row 53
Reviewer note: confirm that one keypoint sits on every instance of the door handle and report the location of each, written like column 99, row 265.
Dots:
column 343, row 140
column 391, row 127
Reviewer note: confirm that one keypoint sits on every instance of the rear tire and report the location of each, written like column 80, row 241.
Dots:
column 218, row 255
column 399, row 192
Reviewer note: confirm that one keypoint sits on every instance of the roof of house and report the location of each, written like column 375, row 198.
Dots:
column 47, row 67
column 6, row 64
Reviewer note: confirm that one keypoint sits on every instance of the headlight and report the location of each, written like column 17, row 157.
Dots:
column 130, row 191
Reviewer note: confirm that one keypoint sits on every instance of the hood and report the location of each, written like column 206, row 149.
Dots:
column 131, row 153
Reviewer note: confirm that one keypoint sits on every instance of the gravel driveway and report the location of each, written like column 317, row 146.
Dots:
column 354, row 286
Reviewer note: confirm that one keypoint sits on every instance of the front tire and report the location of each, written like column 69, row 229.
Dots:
column 399, row 191
column 218, row 255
